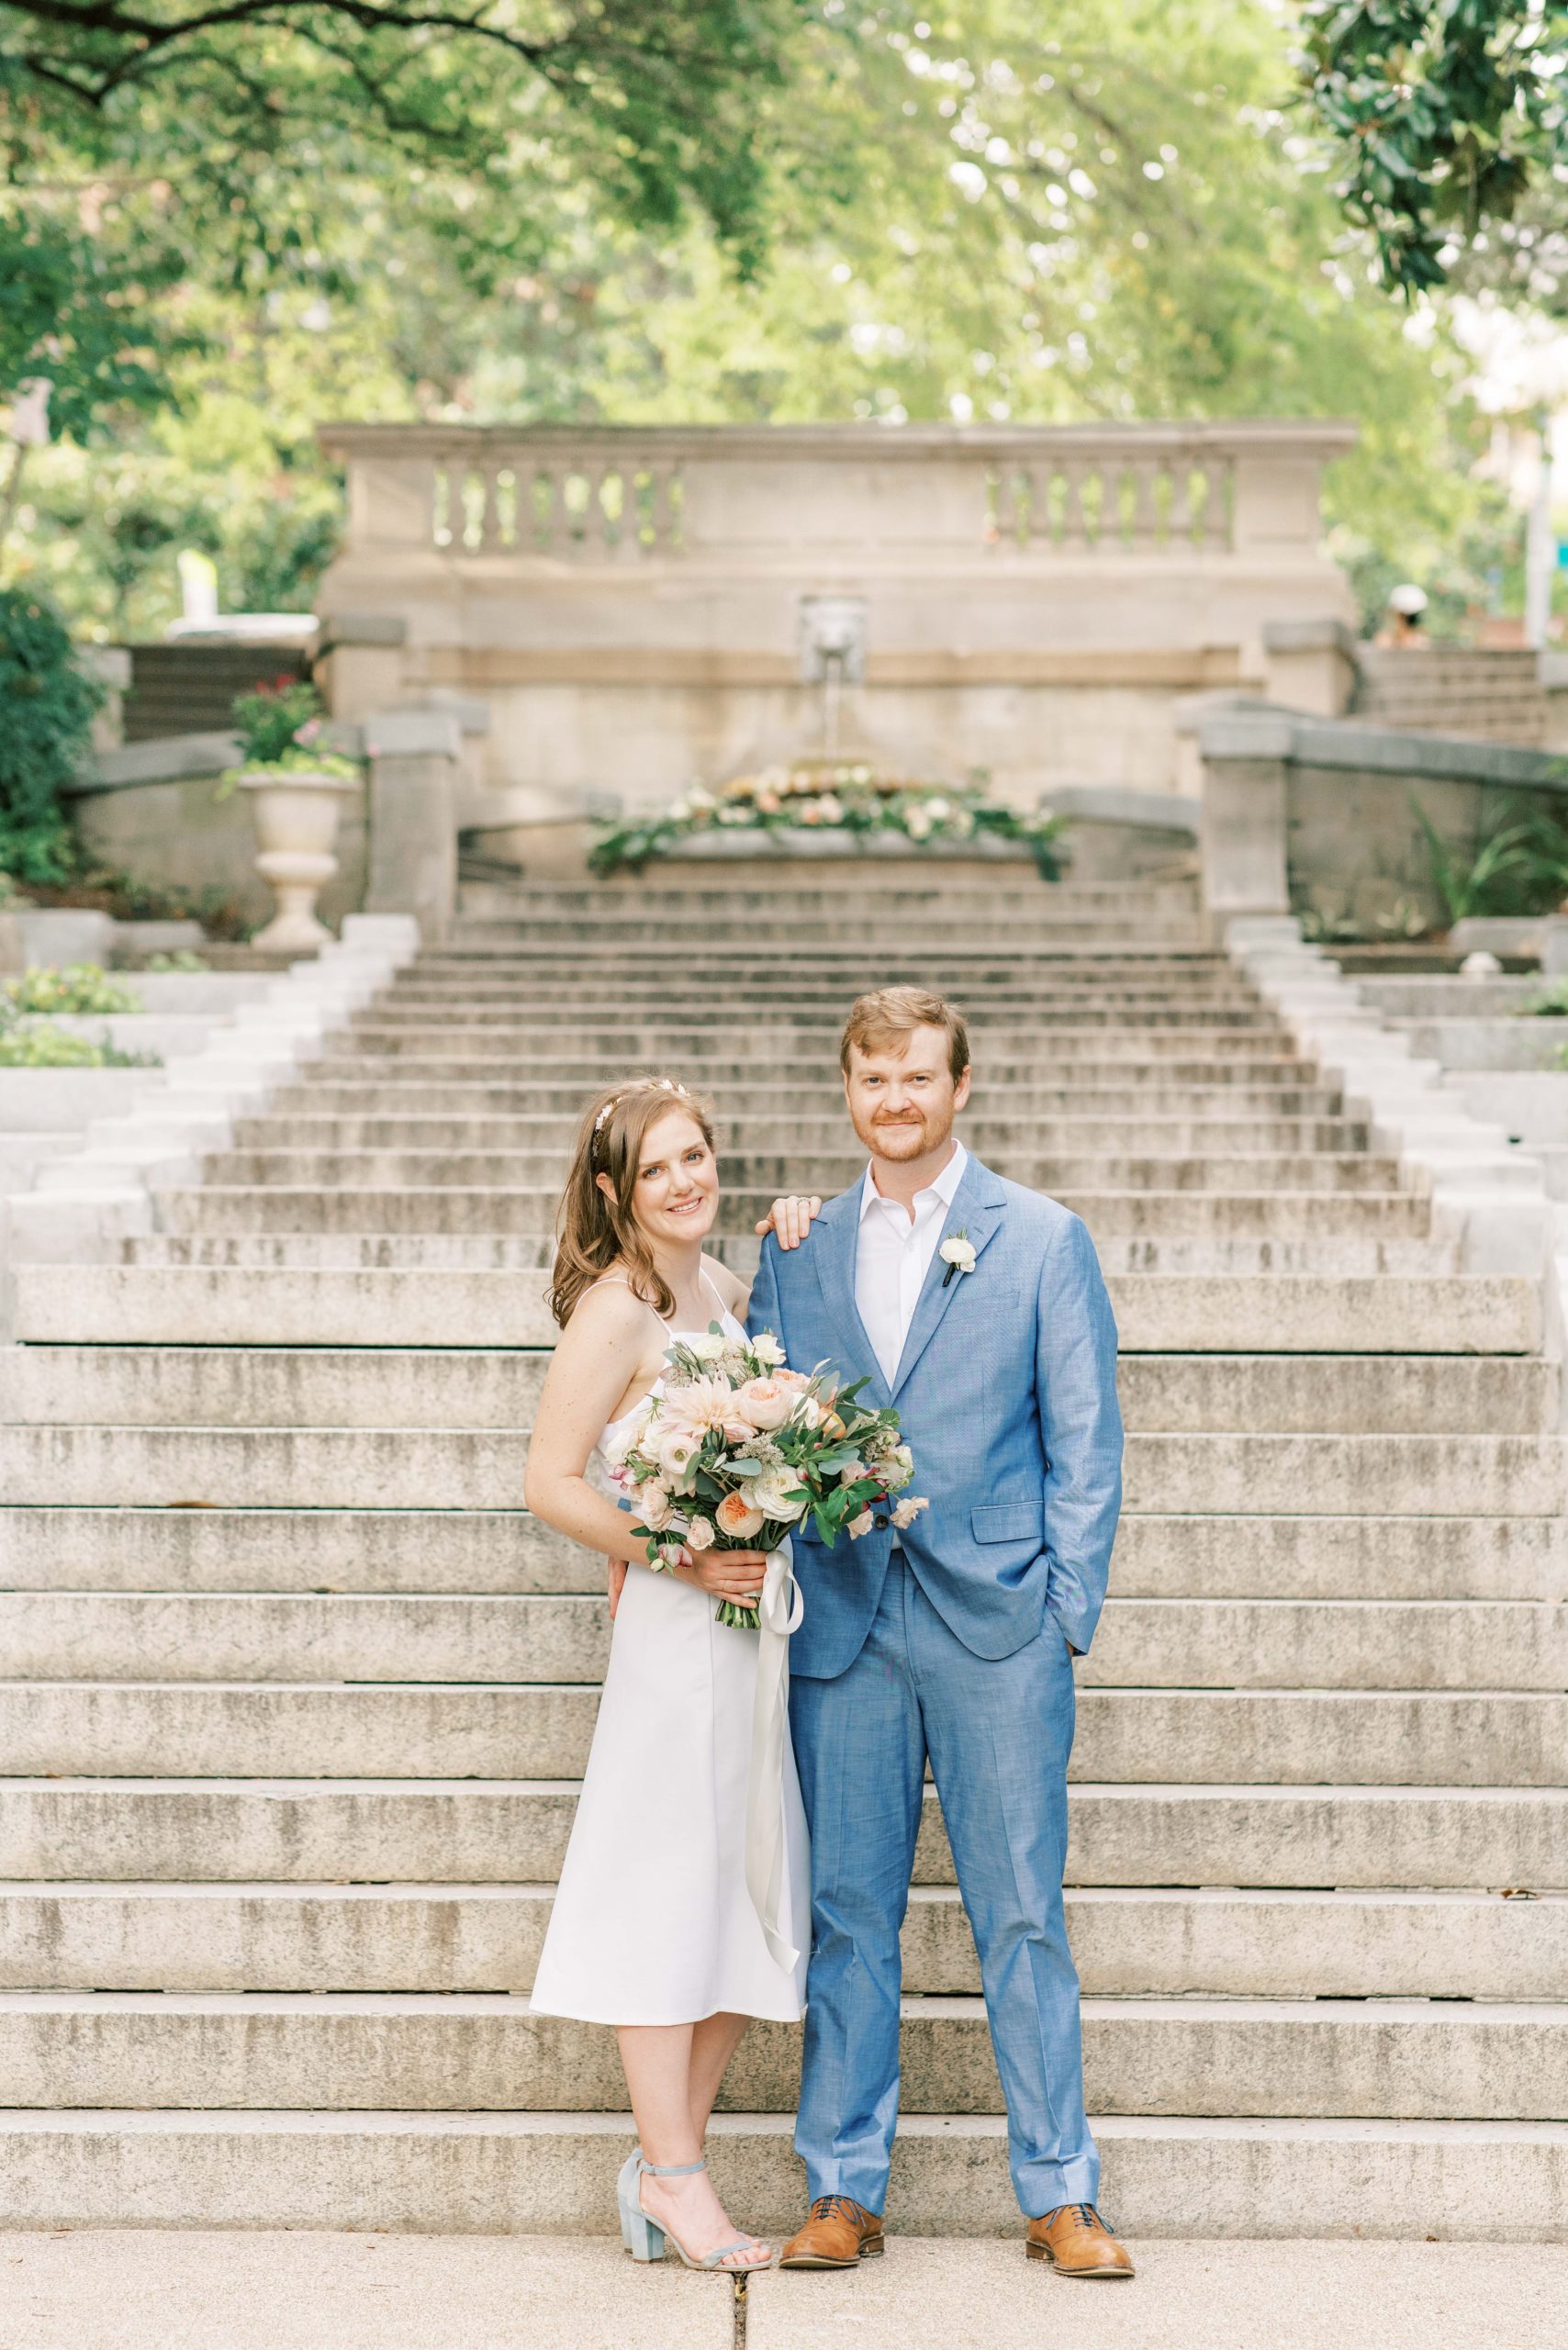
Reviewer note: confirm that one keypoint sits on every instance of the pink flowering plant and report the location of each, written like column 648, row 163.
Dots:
column 735, row 1449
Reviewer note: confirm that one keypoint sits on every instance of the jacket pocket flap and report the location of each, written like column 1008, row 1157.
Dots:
column 1008, row 1522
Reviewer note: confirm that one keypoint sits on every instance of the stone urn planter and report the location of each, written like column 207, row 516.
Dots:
column 295, row 813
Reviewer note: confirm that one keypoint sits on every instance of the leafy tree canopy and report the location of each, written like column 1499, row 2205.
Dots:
column 1444, row 117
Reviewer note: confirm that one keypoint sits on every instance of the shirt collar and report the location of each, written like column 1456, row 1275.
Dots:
column 944, row 1187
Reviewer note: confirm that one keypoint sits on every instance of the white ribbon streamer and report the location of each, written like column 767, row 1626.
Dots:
column 779, row 1612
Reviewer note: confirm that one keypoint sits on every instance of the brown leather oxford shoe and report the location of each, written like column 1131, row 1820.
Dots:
column 1076, row 2242
column 837, row 2234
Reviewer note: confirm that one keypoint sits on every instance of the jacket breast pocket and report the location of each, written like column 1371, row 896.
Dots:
column 1008, row 1522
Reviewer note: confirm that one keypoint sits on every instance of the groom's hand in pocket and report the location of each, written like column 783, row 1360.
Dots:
column 790, row 1220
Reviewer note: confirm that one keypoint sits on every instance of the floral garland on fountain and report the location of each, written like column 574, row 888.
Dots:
column 827, row 795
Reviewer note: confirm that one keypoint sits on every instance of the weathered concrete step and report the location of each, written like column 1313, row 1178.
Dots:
column 384, row 1550
column 698, row 1043
column 827, row 1171
column 708, row 1047
column 166, row 1304
column 473, row 1831
column 306, row 1549
column 418, row 1467
column 1479, row 1738
column 414, row 1080
column 1328, row 1261
column 1137, row 1132
column 498, row 2174
column 470, row 2051
column 1129, row 1943
column 1246, row 1212
column 361, row 1638
column 821, row 1097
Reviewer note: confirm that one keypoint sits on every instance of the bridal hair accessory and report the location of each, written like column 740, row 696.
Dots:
column 958, row 1254
column 648, row 1085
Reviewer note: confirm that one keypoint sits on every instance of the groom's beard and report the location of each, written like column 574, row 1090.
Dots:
column 905, row 1137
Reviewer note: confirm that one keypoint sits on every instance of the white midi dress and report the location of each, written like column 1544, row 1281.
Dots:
column 653, row 1922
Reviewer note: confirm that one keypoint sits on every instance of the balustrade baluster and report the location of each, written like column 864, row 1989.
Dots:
column 1147, row 473
column 1074, row 519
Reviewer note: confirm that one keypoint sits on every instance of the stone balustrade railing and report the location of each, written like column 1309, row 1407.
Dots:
column 611, row 495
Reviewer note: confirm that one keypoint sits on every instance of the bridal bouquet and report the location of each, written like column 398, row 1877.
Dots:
column 735, row 1449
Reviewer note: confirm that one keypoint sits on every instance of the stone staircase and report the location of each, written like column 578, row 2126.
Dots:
column 1467, row 691
column 296, row 1696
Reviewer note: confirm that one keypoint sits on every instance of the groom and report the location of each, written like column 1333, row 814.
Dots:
column 978, row 1308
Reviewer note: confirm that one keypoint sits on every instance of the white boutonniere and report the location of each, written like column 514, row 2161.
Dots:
column 956, row 1253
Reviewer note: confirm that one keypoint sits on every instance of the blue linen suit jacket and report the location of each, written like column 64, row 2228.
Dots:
column 1006, row 1390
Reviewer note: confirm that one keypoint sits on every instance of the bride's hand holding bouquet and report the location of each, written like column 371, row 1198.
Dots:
column 735, row 1449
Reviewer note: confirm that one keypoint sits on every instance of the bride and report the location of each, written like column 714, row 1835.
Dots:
column 652, row 1929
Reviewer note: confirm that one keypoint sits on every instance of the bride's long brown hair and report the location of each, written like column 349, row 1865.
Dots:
column 595, row 1232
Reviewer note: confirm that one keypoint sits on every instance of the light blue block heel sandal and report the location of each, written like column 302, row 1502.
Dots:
column 644, row 2238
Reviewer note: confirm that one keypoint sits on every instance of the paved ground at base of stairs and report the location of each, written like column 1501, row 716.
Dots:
column 154, row 2289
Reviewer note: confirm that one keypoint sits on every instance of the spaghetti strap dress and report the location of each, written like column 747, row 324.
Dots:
column 653, row 1922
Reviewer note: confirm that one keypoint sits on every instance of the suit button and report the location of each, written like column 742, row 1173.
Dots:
column 881, row 1522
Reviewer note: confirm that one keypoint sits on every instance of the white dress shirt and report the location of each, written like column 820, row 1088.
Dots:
column 894, row 1256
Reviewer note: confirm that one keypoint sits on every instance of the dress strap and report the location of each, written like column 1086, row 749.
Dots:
column 713, row 1292
column 626, row 1281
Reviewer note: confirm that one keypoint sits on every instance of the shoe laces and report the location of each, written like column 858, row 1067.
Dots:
column 836, row 2207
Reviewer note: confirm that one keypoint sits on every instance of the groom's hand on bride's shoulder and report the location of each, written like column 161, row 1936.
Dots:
column 790, row 1220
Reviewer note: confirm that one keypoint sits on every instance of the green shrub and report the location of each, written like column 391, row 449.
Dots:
column 80, row 987
column 40, row 1045
column 46, row 724
column 183, row 959
column 1520, row 865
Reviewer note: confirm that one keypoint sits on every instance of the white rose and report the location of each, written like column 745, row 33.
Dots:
column 702, row 1536
column 958, row 1251
column 710, row 1347
column 772, row 1495
column 677, row 1454
column 652, row 1507
column 766, row 1351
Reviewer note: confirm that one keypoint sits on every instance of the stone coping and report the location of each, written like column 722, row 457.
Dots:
column 856, row 444
column 1356, row 748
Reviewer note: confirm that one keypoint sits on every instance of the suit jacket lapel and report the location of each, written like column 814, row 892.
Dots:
column 977, row 1211
column 834, row 1247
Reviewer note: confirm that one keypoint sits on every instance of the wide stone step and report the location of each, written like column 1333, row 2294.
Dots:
column 1129, row 1943
column 1377, row 1644
column 384, row 1550
column 700, row 1040
column 1245, row 1213
column 479, row 1832
column 1270, row 1737
column 496, row 2174
column 471, row 2051
column 1136, row 1132
column 436, row 1082
column 477, row 1389
column 825, row 1171
column 168, row 1305
column 1246, row 1260
column 821, row 1097
column 418, row 1467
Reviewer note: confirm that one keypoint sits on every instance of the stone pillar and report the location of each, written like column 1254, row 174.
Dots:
column 1552, row 671
column 1243, row 836
column 415, row 766
column 362, row 665
column 111, row 666
column 1311, row 666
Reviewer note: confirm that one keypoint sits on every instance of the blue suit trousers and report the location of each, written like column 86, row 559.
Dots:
column 997, row 1732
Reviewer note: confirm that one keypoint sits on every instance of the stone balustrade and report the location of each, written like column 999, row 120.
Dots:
column 1033, row 598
